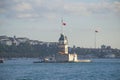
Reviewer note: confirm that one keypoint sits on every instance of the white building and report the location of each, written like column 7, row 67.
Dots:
column 22, row 40
column 6, row 42
column 33, row 42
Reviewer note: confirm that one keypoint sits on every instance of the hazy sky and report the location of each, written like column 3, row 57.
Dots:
column 41, row 20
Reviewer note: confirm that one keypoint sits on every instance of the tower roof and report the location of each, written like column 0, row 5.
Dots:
column 62, row 37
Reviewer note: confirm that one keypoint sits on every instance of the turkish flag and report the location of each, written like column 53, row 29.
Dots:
column 96, row 31
column 63, row 23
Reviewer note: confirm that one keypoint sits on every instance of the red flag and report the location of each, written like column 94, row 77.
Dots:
column 63, row 23
column 96, row 31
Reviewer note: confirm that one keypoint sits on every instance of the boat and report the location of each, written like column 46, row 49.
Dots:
column 1, row 60
column 37, row 62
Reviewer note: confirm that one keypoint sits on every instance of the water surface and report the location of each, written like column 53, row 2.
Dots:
column 25, row 69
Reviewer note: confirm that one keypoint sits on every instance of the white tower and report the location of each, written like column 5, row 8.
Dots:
column 63, row 44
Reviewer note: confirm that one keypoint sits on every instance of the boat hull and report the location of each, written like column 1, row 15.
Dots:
column 1, row 61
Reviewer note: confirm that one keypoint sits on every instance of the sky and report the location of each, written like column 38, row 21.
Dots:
column 41, row 20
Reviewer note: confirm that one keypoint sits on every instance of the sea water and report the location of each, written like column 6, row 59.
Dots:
column 25, row 69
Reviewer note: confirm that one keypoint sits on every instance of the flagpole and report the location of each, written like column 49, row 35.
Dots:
column 96, row 38
column 95, row 41
column 62, row 29
column 62, row 25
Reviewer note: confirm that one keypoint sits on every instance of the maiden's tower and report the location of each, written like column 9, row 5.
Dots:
column 63, row 55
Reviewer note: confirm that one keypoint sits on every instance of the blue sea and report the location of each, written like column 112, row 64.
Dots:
column 25, row 69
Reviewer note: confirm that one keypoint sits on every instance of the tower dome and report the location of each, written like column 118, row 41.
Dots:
column 63, row 39
column 63, row 44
